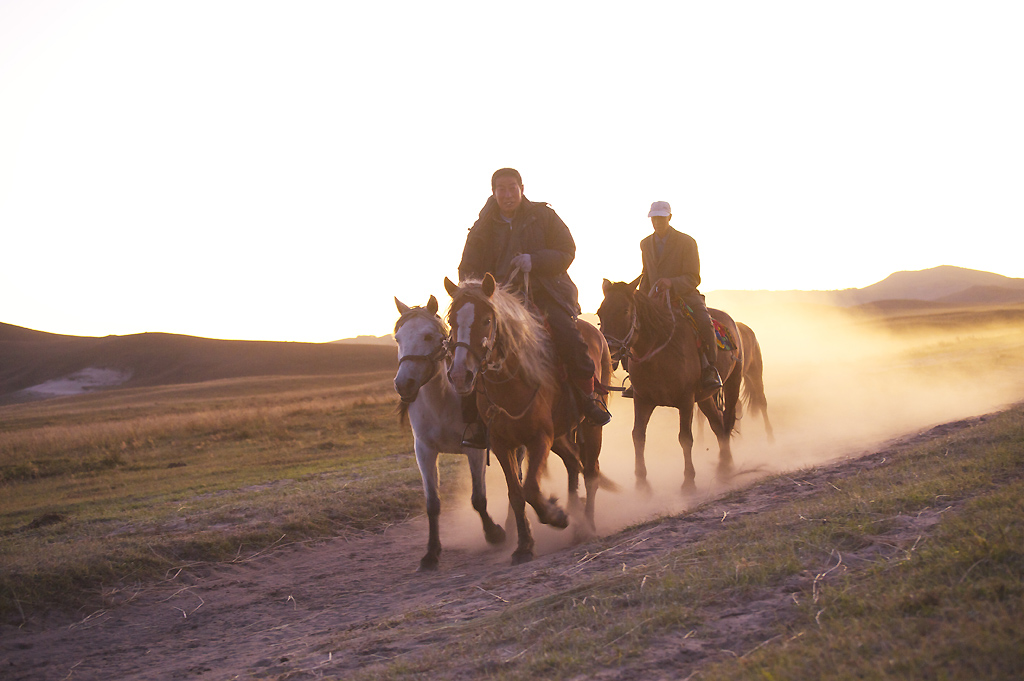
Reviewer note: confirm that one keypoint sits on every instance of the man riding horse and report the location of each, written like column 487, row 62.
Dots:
column 671, row 263
column 514, row 234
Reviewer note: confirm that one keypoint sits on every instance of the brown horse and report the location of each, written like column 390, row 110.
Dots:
column 501, row 351
column 664, row 368
column 753, row 377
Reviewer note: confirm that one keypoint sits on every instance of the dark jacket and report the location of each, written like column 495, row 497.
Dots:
column 678, row 262
column 535, row 230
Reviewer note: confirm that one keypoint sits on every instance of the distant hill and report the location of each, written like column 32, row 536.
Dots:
column 29, row 358
column 944, row 284
column 388, row 340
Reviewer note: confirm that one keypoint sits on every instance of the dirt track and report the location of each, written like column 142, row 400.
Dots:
column 281, row 614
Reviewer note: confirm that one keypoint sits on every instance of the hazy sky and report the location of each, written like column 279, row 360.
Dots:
column 281, row 170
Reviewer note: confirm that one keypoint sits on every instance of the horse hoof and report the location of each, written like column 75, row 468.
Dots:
column 689, row 487
column 583, row 532
column 428, row 564
column 520, row 557
column 644, row 488
column 495, row 535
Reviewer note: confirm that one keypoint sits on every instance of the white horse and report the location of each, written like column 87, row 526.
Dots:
column 434, row 411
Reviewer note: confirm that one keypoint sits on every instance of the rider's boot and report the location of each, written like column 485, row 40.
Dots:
column 592, row 406
column 475, row 435
column 710, row 380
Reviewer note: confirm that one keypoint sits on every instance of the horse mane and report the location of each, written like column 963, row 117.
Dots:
column 419, row 312
column 519, row 332
column 652, row 318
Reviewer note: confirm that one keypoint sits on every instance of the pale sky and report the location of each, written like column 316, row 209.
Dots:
column 282, row 170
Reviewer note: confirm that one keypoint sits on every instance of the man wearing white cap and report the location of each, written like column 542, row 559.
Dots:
column 671, row 263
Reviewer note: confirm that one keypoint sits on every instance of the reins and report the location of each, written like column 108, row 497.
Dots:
column 652, row 353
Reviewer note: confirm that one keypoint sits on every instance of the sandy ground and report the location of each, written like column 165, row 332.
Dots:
column 282, row 613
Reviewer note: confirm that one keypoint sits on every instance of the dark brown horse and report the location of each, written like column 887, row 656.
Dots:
column 664, row 367
column 501, row 351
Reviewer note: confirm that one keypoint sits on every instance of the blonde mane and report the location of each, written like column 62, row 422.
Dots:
column 519, row 332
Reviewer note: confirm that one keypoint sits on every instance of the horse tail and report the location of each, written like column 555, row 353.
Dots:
column 753, row 380
column 604, row 482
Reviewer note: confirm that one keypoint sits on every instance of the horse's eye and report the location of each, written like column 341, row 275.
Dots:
column 427, row 337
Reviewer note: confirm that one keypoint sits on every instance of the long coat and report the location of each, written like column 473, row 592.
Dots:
column 678, row 262
column 535, row 230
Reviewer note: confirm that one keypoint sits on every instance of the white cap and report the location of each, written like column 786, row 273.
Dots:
column 660, row 208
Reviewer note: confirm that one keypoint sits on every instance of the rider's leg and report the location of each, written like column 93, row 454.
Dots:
column 709, row 378
column 475, row 434
column 572, row 350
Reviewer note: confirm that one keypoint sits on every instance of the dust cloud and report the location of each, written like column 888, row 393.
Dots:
column 839, row 383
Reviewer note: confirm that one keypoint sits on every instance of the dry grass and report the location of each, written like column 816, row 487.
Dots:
column 106, row 490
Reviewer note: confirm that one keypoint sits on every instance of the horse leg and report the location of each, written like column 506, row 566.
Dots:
column 569, row 453
column 517, row 502
column 717, row 420
column 686, row 442
column 548, row 512
column 426, row 460
column 767, row 424
column 590, row 450
column 510, row 516
column 641, row 417
column 478, row 471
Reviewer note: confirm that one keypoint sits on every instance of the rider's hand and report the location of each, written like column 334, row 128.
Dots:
column 662, row 285
column 523, row 262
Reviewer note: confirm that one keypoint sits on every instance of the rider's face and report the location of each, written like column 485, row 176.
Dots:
column 508, row 194
column 660, row 223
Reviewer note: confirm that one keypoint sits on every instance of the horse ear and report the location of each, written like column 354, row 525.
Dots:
column 606, row 286
column 487, row 285
column 402, row 307
column 636, row 282
column 432, row 305
column 451, row 287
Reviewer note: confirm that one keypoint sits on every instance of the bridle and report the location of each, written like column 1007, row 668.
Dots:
column 485, row 366
column 619, row 347
column 622, row 348
column 484, row 363
column 435, row 356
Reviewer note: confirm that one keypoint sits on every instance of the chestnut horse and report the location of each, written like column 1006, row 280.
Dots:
column 501, row 351
column 664, row 368
column 435, row 414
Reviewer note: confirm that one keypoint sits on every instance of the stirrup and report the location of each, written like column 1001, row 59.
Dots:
column 595, row 412
column 627, row 392
column 475, row 436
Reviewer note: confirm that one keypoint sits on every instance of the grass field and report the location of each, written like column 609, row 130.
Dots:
column 110, row 489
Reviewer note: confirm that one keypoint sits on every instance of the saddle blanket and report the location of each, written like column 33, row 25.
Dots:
column 722, row 335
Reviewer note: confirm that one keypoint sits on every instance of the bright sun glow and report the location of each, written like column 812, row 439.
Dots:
column 280, row 171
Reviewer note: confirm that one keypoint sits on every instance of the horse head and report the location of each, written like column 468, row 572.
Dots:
column 618, row 316
column 473, row 330
column 421, row 335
